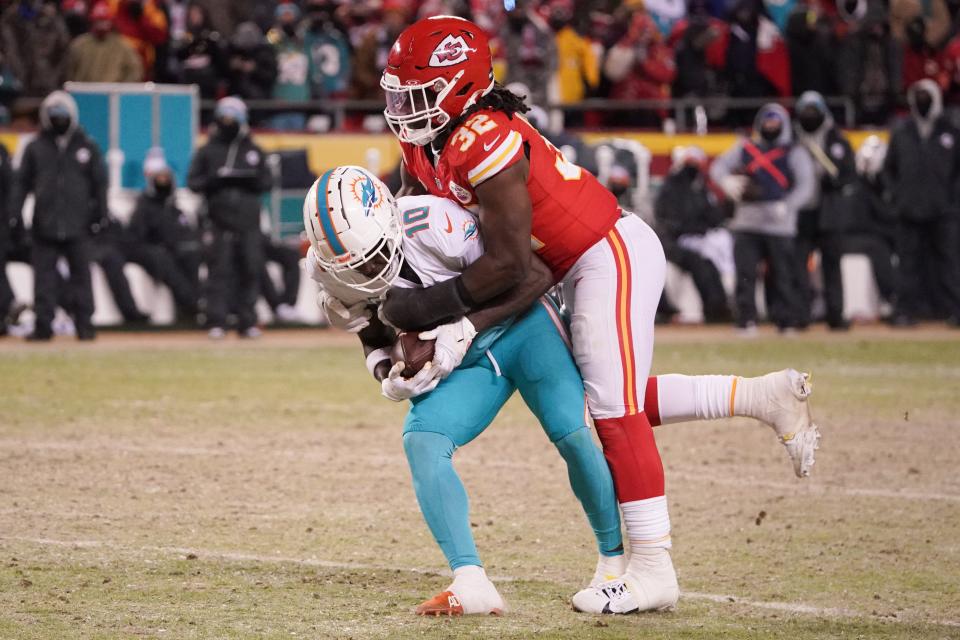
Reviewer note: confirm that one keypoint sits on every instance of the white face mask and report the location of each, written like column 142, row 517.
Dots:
column 413, row 112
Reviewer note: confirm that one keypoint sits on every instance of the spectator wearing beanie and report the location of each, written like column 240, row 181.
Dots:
column 231, row 172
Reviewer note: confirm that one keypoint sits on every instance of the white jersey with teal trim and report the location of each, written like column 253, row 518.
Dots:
column 440, row 239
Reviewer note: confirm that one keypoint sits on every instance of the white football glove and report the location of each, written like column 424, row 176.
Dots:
column 734, row 186
column 453, row 341
column 397, row 388
column 354, row 318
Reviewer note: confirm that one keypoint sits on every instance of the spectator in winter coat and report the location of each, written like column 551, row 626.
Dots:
column 934, row 14
column 744, row 74
column 769, row 178
column 922, row 168
column 699, row 55
column 328, row 50
column 578, row 71
column 640, row 65
column 144, row 25
column 231, row 172
column 64, row 170
column 251, row 64
column 34, row 41
column 200, row 53
column 687, row 212
column 921, row 60
column 370, row 55
column 869, row 227
column 530, row 52
column 161, row 240
column 821, row 222
column 869, row 68
column 813, row 44
column 292, row 83
column 103, row 55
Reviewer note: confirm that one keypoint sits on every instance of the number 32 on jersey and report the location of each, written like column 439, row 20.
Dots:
column 481, row 123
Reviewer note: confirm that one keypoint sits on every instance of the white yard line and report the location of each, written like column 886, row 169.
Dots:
column 796, row 608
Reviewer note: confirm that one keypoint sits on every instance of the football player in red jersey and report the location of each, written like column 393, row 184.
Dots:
column 464, row 138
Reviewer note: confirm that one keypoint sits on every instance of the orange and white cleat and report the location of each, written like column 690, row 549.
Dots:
column 472, row 593
column 442, row 604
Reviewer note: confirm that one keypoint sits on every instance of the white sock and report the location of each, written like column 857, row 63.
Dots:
column 471, row 574
column 476, row 592
column 647, row 522
column 686, row 398
column 608, row 568
column 748, row 395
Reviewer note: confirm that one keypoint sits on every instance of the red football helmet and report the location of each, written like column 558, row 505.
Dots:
column 436, row 70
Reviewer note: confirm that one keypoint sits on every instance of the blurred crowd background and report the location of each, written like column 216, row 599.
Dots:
column 758, row 230
column 863, row 53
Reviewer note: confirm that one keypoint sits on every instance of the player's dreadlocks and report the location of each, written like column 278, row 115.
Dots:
column 499, row 99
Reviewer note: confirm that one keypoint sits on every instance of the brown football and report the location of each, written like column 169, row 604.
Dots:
column 416, row 353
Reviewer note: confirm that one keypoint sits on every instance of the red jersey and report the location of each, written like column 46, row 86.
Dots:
column 571, row 209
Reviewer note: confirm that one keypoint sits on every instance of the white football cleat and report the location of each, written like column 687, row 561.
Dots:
column 471, row 593
column 780, row 399
column 655, row 589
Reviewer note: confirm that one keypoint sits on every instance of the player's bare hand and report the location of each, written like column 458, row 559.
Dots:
column 397, row 388
column 453, row 341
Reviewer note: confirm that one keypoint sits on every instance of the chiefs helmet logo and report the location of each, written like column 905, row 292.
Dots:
column 451, row 50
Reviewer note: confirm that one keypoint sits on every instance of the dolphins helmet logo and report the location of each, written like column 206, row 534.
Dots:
column 367, row 193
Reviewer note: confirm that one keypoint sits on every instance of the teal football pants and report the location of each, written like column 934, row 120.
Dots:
column 531, row 357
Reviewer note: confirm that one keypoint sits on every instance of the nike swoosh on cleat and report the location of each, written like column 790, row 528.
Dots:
column 487, row 147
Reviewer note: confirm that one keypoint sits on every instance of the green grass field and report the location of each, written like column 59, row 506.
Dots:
column 159, row 486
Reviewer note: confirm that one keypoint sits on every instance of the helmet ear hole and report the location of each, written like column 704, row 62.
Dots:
column 464, row 90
